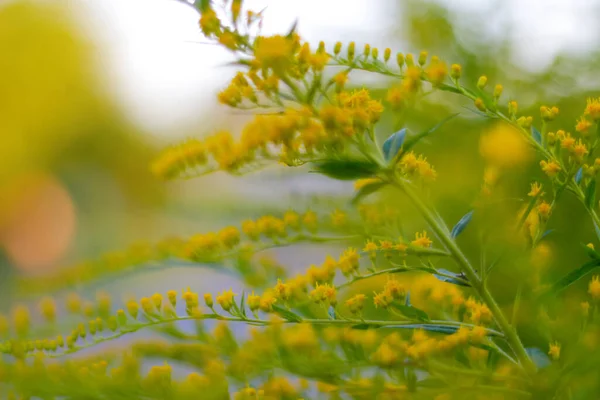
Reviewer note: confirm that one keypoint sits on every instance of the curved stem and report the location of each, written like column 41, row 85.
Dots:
column 476, row 282
column 263, row 322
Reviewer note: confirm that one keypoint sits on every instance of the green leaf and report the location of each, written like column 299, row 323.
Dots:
column 411, row 312
column 572, row 277
column 536, row 135
column 391, row 147
column 287, row 314
column 539, row 358
column 366, row 190
column 243, row 305
column 412, row 141
column 457, row 280
column 462, row 224
column 365, row 326
column 590, row 195
column 346, row 169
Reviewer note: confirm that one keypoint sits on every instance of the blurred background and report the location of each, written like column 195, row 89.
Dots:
column 90, row 92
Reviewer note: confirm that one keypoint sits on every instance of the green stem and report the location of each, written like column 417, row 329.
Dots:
column 478, row 285
column 263, row 322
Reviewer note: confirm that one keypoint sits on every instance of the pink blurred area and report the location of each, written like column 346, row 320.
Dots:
column 40, row 222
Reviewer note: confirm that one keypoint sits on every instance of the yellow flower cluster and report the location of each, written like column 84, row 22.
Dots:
column 413, row 165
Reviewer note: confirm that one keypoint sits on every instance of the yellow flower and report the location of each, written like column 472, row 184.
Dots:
column 371, row 248
column 275, row 52
column 551, row 168
column 324, row 294
column 421, row 240
column 436, row 72
column 544, row 210
column 580, row 150
column 382, row 300
column 504, row 147
column 349, row 262
column 225, row 299
column 356, row 303
column 592, row 109
column 554, row 351
column 567, row 141
column 583, row 126
column 536, row 189
column 594, row 288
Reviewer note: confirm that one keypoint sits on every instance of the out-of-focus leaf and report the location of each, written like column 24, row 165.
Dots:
column 536, row 135
column 411, row 312
column 457, row 280
column 365, row 326
column 412, row 141
column 346, row 169
column 243, row 304
column 590, row 194
column 366, row 190
column 573, row 277
column 393, row 144
column 462, row 224
column 448, row 330
column 331, row 312
column 287, row 314
column 539, row 358
column 597, row 229
column 579, row 175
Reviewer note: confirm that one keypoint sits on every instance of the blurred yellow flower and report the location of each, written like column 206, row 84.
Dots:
column 504, row 147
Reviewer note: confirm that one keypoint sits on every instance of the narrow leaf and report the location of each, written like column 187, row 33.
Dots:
column 590, row 194
column 393, row 144
column 457, row 280
column 365, row 326
column 448, row 330
column 346, row 169
column 579, row 175
column 536, row 135
column 573, row 277
column 331, row 313
column 243, row 304
column 411, row 312
column 546, row 233
column 287, row 314
column 462, row 224
column 539, row 358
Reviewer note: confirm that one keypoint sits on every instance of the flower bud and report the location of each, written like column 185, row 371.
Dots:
column 482, row 82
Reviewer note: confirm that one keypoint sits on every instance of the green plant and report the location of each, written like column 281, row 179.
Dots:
column 433, row 328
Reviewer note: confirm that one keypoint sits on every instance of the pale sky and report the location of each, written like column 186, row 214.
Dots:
column 166, row 81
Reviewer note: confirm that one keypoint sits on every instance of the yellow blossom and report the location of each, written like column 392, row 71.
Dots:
column 536, row 189
column 551, row 168
column 544, row 210
column 421, row 240
column 594, row 288
column 225, row 299
column 504, row 147
column 554, row 351
column 592, row 109
column 275, row 51
column 583, row 126
column 356, row 303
